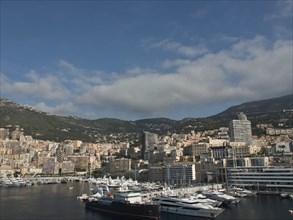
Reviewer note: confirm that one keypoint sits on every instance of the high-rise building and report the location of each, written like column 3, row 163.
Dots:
column 149, row 142
column 240, row 129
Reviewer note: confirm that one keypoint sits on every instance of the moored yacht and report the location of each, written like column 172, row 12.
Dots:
column 239, row 192
column 17, row 181
column 5, row 182
column 187, row 206
column 219, row 196
column 203, row 199
column 129, row 205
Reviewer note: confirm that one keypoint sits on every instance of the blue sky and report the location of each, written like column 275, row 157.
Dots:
column 144, row 59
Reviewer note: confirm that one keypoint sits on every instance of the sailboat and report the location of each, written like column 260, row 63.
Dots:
column 83, row 196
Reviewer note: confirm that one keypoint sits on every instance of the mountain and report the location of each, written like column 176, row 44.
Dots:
column 258, row 108
column 46, row 126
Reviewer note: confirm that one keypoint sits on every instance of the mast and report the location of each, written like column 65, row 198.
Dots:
column 226, row 177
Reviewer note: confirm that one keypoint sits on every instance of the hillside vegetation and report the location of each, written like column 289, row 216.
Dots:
column 46, row 126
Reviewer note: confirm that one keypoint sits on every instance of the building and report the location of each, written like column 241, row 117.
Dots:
column 4, row 133
column 67, row 167
column 179, row 174
column 219, row 152
column 5, row 170
column 246, row 162
column 157, row 156
column 281, row 147
column 81, row 163
column 207, row 171
column 68, row 150
column 223, row 133
column 196, row 149
column 173, row 174
column 240, row 129
column 156, row 174
column 134, row 152
column 50, row 166
column 149, row 143
column 118, row 166
column 262, row 178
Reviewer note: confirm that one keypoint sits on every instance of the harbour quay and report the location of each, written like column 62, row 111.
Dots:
column 11, row 181
column 147, row 195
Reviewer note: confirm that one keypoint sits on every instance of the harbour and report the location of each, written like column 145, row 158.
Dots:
column 146, row 110
column 58, row 201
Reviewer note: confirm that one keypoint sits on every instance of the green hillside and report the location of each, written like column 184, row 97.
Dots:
column 46, row 126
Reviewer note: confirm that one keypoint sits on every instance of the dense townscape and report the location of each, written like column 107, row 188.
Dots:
column 174, row 159
column 146, row 110
column 192, row 174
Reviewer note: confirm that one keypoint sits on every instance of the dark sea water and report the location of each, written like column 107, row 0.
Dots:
column 57, row 201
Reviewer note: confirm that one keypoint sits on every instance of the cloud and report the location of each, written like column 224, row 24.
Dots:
column 60, row 109
column 283, row 9
column 199, row 13
column 69, row 67
column 47, row 87
column 250, row 69
column 174, row 63
column 78, row 76
column 189, row 51
column 227, row 38
column 135, row 71
column 281, row 19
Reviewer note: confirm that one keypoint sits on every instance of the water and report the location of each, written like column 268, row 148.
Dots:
column 46, row 202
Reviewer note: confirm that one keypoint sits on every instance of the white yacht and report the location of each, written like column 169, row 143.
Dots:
column 225, row 198
column 187, row 206
column 203, row 199
column 5, row 182
column 17, row 181
column 239, row 192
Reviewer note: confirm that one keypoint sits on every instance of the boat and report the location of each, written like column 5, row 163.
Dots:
column 128, row 205
column 239, row 192
column 187, row 206
column 222, row 197
column 203, row 199
column 17, row 181
column 284, row 195
column 5, row 182
column 83, row 197
column 291, row 211
column 64, row 181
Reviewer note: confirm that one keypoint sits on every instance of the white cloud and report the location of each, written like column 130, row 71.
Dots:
column 136, row 71
column 283, row 10
column 46, row 87
column 60, row 109
column 69, row 67
column 179, row 48
column 227, row 38
column 281, row 19
column 174, row 63
column 78, row 76
column 251, row 69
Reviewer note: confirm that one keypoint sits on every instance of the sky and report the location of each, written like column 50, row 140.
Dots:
column 144, row 59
